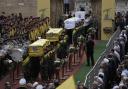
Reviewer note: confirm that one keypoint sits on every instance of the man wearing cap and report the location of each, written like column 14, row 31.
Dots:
column 29, row 85
column 115, row 87
column 99, row 80
column 104, row 72
column 51, row 86
column 35, row 84
column 39, row 87
column 95, row 85
column 7, row 85
column 124, row 73
column 116, row 46
column 22, row 84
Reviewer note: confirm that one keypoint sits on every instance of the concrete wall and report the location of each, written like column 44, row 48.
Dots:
column 27, row 7
column 52, row 8
column 56, row 11
column 106, row 20
column 96, row 4
column 45, row 6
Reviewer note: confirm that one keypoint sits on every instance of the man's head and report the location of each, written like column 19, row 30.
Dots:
column 7, row 85
column 35, row 84
column 115, row 87
column 122, row 86
column 22, row 82
column 95, row 85
column 125, row 80
column 39, row 87
column 104, row 63
column 89, row 37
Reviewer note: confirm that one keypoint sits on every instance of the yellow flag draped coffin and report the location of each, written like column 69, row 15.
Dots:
column 37, row 48
column 54, row 34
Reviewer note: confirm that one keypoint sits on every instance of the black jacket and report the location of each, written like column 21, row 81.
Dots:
column 90, row 46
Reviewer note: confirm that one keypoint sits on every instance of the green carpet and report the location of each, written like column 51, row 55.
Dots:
column 81, row 74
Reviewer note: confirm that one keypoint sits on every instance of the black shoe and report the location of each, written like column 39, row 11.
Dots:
column 93, row 64
column 87, row 64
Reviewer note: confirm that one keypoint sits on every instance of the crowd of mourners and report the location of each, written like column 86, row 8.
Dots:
column 16, row 26
column 23, row 84
column 18, row 29
column 113, row 72
column 121, row 20
column 21, row 28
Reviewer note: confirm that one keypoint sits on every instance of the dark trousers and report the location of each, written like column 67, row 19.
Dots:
column 90, row 57
column 126, row 47
column 69, row 33
column 85, row 30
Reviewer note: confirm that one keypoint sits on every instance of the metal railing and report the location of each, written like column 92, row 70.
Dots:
column 94, row 71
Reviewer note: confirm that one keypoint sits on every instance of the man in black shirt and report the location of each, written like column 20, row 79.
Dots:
column 90, row 50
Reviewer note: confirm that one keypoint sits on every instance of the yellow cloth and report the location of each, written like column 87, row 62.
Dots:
column 68, row 84
column 25, row 62
column 42, row 29
column 40, row 42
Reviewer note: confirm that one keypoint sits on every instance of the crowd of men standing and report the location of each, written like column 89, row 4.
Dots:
column 16, row 26
column 121, row 20
column 113, row 72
